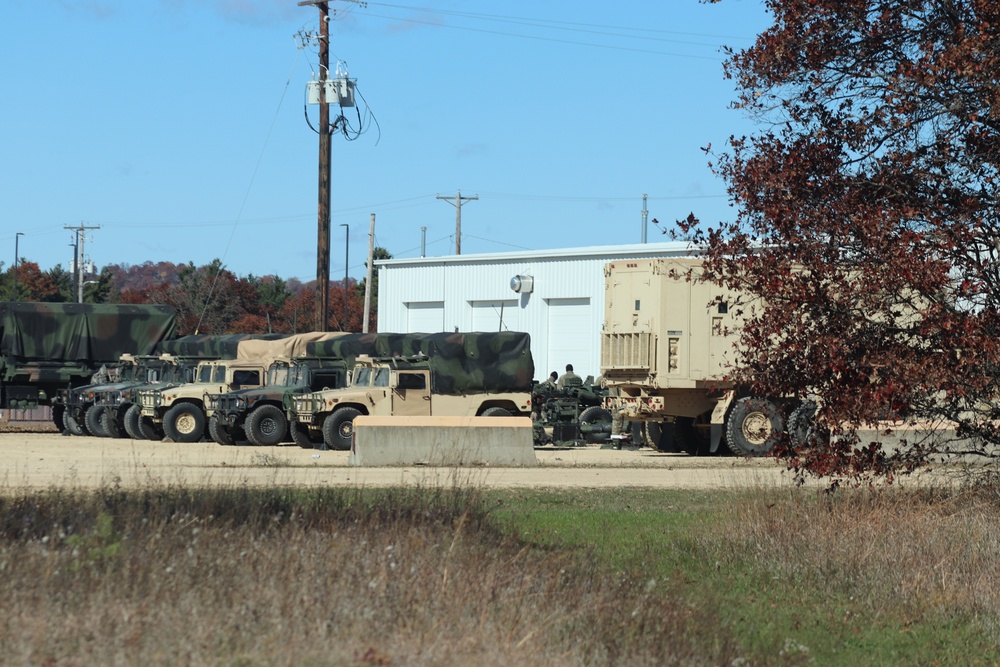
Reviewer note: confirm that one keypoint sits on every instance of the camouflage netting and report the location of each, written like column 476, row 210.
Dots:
column 82, row 332
column 461, row 363
column 216, row 347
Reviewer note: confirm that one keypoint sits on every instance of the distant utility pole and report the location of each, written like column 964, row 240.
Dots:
column 457, row 203
column 78, row 256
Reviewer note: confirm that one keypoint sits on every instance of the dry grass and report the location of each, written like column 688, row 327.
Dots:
column 927, row 555
column 325, row 577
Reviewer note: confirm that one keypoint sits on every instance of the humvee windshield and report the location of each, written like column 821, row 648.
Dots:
column 278, row 375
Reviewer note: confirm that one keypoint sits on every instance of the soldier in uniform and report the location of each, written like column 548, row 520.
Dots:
column 553, row 377
column 568, row 375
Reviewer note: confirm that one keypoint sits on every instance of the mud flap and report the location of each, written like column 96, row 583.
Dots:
column 716, row 438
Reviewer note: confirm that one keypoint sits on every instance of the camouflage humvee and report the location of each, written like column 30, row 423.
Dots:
column 82, row 415
column 470, row 376
column 258, row 415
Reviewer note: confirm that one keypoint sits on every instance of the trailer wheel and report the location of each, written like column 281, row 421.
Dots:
column 338, row 429
column 92, row 418
column 185, row 422
column 219, row 433
column 803, row 430
column 266, row 426
column 132, row 416
column 149, row 429
column 71, row 425
column 496, row 412
column 754, row 426
column 305, row 437
column 112, row 425
column 595, row 414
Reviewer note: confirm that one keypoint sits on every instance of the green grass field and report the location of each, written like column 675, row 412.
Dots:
column 462, row 576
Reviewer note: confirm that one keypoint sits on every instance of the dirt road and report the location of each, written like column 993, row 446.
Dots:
column 45, row 460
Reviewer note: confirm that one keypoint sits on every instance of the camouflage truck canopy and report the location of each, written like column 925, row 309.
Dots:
column 215, row 347
column 289, row 346
column 89, row 333
column 460, row 363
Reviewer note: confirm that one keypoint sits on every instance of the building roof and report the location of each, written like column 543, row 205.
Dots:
column 673, row 248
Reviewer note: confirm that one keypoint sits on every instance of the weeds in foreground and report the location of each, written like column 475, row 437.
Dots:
column 323, row 577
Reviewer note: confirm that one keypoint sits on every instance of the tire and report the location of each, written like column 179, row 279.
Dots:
column 92, row 418
column 754, row 426
column 658, row 438
column 57, row 416
column 266, row 426
column 71, row 425
column 496, row 412
column 595, row 414
column 131, row 422
column 220, row 433
column 149, row 430
column 113, row 426
column 338, row 429
column 303, row 436
column 185, row 422
column 690, row 439
column 803, row 431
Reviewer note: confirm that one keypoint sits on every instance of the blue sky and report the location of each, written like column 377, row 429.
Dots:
column 178, row 127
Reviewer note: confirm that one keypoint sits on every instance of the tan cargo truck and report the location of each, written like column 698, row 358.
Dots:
column 666, row 345
column 421, row 386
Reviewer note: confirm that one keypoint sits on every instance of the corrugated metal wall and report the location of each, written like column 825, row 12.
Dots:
column 459, row 285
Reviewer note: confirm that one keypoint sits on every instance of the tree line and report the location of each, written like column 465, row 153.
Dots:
column 209, row 299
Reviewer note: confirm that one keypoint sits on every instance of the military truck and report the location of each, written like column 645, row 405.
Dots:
column 83, row 415
column 45, row 347
column 667, row 342
column 452, row 374
column 180, row 410
column 258, row 415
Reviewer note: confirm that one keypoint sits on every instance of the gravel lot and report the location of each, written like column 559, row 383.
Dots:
column 45, row 460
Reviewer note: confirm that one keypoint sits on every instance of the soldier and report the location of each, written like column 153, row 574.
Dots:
column 553, row 377
column 567, row 376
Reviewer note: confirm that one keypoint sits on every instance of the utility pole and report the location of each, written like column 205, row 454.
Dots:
column 323, row 209
column 457, row 203
column 645, row 214
column 17, row 237
column 368, row 278
column 347, row 263
column 78, row 260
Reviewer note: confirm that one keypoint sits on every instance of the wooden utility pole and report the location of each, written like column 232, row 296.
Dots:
column 323, row 208
column 457, row 203
column 78, row 256
column 368, row 278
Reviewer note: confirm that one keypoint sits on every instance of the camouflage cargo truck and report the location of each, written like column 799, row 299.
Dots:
column 45, row 347
column 666, row 345
column 180, row 411
column 258, row 415
column 451, row 374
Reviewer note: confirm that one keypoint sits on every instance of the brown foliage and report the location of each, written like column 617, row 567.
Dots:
column 867, row 215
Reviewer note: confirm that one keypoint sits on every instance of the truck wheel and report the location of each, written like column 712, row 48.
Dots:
column 112, row 426
column 690, row 439
column 496, row 412
column 595, row 415
column 71, row 425
column 338, row 429
column 754, row 426
column 219, row 433
column 92, row 418
column 185, row 422
column 132, row 416
column 57, row 416
column 803, row 431
column 266, row 426
column 149, row 429
column 304, row 437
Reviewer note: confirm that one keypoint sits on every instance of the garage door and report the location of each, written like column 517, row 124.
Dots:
column 572, row 336
column 425, row 317
column 495, row 315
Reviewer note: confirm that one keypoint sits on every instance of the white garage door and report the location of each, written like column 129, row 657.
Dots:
column 572, row 338
column 425, row 317
column 495, row 315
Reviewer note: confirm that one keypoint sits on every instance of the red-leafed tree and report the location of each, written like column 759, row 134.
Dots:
column 867, row 219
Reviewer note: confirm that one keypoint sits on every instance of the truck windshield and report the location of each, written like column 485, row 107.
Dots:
column 381, row 378
column 219, row 376
column 278, row 375
column 205, row 374
column 362, row 377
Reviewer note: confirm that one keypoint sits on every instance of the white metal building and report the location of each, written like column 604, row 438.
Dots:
column 557, row 296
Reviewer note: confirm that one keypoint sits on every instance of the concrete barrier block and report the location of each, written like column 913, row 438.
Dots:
column 442, row 441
